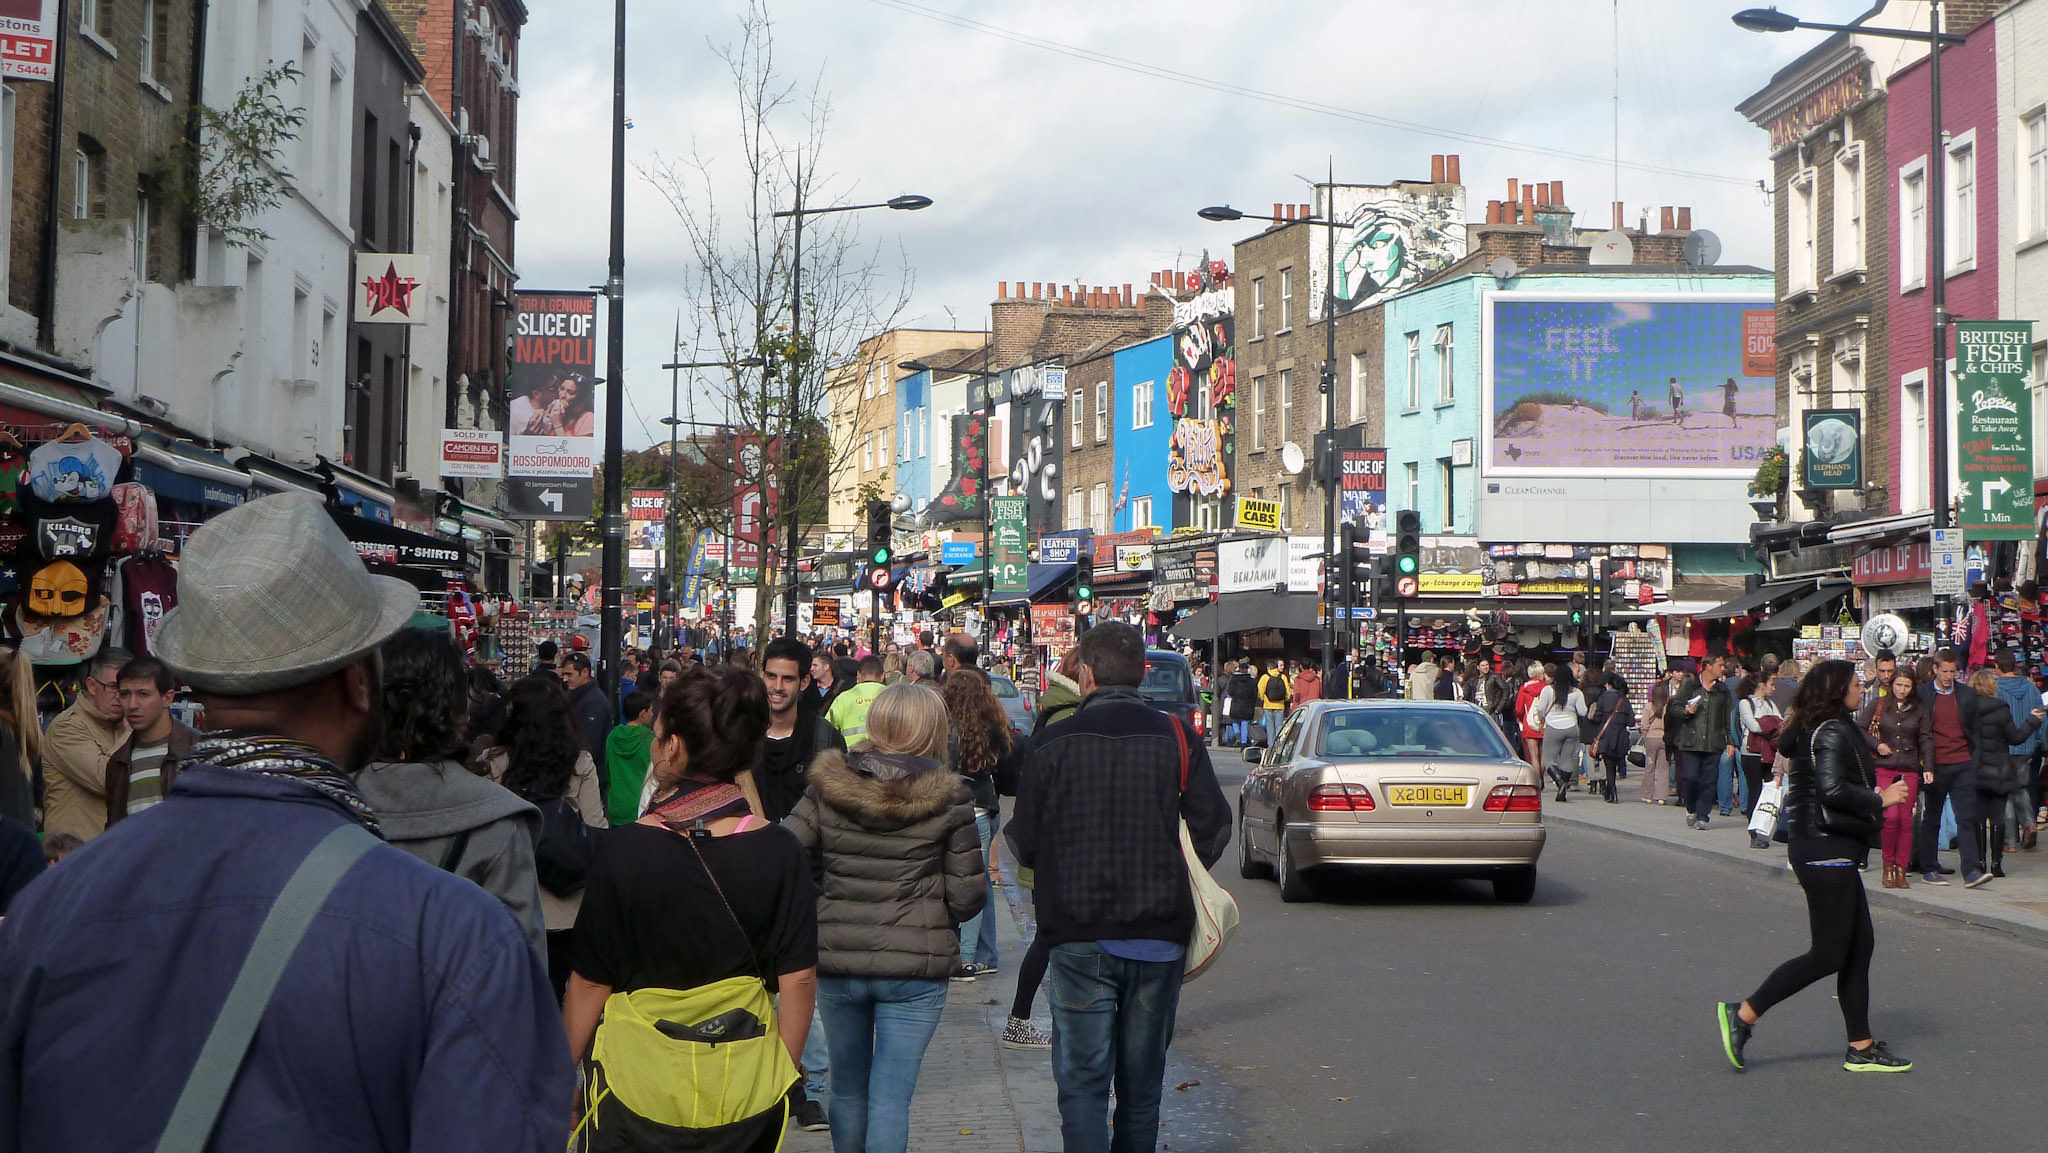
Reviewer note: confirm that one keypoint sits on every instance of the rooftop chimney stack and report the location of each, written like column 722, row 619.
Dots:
column 1619, row 217
column 1436, row 169
column 1451, row 175
column 1664, row 221
column 1684, row 219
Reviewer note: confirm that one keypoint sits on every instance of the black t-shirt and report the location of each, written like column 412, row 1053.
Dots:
column 652, row 920
column 786, row 763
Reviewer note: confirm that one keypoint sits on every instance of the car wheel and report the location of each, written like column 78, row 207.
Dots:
column 1248, row 864
column 1294, row 886
column 1516, row 886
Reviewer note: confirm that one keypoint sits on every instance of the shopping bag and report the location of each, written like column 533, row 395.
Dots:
column 1763, row 819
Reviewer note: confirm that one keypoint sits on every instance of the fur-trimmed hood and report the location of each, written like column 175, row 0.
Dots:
column 1053, row 677
column 886, row 790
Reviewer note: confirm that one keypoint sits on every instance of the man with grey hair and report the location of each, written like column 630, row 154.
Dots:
column 400, row 1006
column 920, row 668
column 76, row 748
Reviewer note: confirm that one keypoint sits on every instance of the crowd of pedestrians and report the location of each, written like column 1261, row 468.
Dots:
column 731, row 901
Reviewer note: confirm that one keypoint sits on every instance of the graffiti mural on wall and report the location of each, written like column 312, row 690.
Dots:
column 963, row 499
column 1393, row 237
column 1201, row 394
column 1037, row 452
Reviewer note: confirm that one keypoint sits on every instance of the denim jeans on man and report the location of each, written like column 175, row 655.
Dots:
column 1112, row 1020
column 1696, row 781
column 1272, row 718
column 1956, row 784
column 978, row 935
column 878, row 1029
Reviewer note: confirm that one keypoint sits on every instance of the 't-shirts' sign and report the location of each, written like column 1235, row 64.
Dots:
column 472, row 452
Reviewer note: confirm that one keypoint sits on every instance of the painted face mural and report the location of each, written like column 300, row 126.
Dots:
column 1201, row 395
column 1397, row 235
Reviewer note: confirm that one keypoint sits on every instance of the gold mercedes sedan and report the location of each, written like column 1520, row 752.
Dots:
column 1423, row 785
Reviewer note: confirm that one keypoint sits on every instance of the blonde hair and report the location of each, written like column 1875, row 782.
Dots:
column 908, row 718
column 1985, row 682
column 18, row 706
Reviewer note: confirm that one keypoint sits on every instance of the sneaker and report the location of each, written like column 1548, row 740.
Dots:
column 1977, row 880
column 984, row 969
column 1022, row 1034
column 1734, row 1034
column 810, row 1117
column 963, row 973
column 1691, row 822
column 1876, row 1059
column 1933, row 879
column 1703, row 823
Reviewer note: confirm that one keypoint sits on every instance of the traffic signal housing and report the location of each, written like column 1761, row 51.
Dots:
column 881, row 529
column 1386, row 581
column 1575, row 610
column 1353, row 574
column 1084, row 584
column 1408, row 551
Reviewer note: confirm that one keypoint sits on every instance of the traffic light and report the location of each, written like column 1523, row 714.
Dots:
column 881, row 526
column 1084, row 583
column 1386, row 582
column 1408, row 551
column 1575, row 610
column 1609, row 588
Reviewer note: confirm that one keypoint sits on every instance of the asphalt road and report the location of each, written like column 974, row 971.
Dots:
column 1411, row 1015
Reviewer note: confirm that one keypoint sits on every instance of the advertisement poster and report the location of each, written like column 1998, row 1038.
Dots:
column 1258, row 515
column 1833, row 439
column 693, row 575
column 1389, row 237
column 1362, row 487
column 1201, row 394
column 28, row 40
column 551, row 382
column 1037, row 447
column 1994, row 441
column 1600, row 386
column 646, row 528
column 472, row 452
column 1052, row 628
column 754, row 489
column 1008, row 561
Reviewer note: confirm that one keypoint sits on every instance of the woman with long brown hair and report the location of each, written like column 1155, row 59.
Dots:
column 21, row 737
column 1903, row 738
column 979, row 743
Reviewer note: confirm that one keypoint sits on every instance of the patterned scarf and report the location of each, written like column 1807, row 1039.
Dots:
column 289, row 759
column 693, row 800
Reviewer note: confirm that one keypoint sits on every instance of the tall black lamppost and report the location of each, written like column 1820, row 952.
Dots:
column 611, row 631
column 674, row 421
column 1772, row 20
column 794, row 367
column 1328, row 386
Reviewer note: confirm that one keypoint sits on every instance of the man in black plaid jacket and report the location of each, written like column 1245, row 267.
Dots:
column 1098, row 818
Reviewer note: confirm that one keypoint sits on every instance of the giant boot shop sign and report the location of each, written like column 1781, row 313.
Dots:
column 1994, row 441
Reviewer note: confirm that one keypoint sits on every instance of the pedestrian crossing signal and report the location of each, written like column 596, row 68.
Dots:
column 1576, row 607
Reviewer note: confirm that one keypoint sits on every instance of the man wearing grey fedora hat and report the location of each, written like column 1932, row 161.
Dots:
column 261, row 969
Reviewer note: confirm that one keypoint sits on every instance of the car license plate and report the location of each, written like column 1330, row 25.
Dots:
column 1425, row 794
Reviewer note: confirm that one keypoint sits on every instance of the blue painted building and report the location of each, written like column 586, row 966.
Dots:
column 913, row 438
column 1143, row 430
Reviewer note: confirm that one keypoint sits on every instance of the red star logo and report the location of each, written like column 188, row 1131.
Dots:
column 389, row 291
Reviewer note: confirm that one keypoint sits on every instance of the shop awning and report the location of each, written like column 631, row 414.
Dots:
column 179, row 472
column 1236, row 612
column 1755, row 599
column 402, row 548
column 1037, row 581
column 1795, row 614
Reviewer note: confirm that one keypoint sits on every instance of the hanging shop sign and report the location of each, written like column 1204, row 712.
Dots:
column 825, row 614
column 1134, row 558
column 1059, row 549
column 391, row 288
column 1009, row 562
column 1833, row 440
column 1243, row 565
column 1994, row 442
column 1258, row 515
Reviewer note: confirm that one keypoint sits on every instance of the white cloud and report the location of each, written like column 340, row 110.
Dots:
column 1048, row 167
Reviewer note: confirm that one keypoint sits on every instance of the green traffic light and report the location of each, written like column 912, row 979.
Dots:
column 881, row 556
column 1406, row 564
column 1086, row 593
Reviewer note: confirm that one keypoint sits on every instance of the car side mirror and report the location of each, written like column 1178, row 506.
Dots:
column 1254, row 754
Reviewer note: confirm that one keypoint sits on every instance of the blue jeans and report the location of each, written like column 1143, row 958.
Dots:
column 878, row 1030
column 817, row 1060
column 1272, row 719
column 978, row 935
column 1112, row 1020
column 1729, row 786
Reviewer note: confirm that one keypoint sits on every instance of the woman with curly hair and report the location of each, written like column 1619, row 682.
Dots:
column 429, row 804
column 540, row 757
column 980, row 741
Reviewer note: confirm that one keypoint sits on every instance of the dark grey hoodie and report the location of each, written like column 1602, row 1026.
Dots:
column 425, row 807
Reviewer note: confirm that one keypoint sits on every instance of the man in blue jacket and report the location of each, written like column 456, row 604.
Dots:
column 412, row 1015
column 1098, row 818
column 2020, row 693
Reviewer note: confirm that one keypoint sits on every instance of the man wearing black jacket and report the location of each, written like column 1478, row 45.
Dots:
column 1098, row 819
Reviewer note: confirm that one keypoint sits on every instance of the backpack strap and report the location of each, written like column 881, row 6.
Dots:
column 220, row 1059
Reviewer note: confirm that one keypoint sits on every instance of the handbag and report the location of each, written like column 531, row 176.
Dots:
column 1216, row 913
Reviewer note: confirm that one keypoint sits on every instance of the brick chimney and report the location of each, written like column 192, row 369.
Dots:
column 1436, row 169
column 1451, row 175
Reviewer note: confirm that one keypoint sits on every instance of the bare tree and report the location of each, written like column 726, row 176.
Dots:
column 741, row 290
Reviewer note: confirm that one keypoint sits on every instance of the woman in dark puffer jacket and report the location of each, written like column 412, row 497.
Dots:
column 1999, row 773
column 1833, row 814
column 892, row 842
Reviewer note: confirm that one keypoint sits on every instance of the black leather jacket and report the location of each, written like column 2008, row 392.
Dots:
column 1830, row 787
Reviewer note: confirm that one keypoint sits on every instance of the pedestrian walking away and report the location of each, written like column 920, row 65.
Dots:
column 123, row 957
column 1557, row 711
column 890, row 834
column 1274, row 692
column 1759, row 720
column 1098, row 821
column 1999, row 773
column 1832, row 812
column 1656, row 757
column 979, row 748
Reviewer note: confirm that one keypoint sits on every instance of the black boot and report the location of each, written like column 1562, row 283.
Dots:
column 1995, row 833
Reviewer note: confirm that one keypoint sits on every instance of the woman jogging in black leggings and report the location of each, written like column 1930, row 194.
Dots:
column 1834, row 816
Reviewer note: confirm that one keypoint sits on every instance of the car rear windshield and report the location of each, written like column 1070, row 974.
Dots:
column 1166, row 681
column 1003, row 686
column 1357, row 734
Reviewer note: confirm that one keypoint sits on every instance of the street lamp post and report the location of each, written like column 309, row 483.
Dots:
column 674, row 421
column 794, row 368
column 1772, row 20
column 611, row 630
column 1328, row 385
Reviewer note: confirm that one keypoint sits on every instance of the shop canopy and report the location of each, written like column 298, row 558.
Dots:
column 1756, row 599
column 1792, row 616
column 1262, row 609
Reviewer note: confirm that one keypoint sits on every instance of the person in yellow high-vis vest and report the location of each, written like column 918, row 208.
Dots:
column 849, row 710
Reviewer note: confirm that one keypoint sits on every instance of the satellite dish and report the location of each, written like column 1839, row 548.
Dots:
column 1291, row 458
column 1503, row 269
column 1702, row 249
column 1885, row 635
column 1612, row 247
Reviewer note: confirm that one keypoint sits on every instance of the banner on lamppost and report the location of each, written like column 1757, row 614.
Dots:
column 693, row 573
column 646, row 528
column 1362, row 486
column 1994, row 441
column 1009, row 567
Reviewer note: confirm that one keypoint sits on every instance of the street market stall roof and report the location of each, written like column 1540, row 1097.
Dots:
column 1791, row 617
column 1261, row 609
column 1755, row 599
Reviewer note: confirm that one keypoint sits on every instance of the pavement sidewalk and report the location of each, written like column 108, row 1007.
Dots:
column 2016, row 903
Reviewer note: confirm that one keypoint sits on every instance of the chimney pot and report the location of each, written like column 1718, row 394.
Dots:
column 1276, row 208
column 1127, row 296
column 1620, row 217
column 1529, row 198
column 1305, row 212
column 1287, row 212
column 1514, row 190
column 1436, row 169
column 1557, row 194
column 1002, row 290
column 1037, row 290
column 1684, row 219
column 1664, row 220
column 1451, row 175
column 1020, row 290
column 1067, row 295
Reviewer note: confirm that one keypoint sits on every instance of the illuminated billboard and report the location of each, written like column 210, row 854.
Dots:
column 1627, row 384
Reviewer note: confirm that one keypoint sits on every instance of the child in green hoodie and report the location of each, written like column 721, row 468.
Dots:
column 628, row 753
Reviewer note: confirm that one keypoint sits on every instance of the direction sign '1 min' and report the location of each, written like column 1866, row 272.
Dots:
column 1994, row 442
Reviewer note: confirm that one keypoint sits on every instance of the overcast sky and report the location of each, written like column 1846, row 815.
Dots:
column 1047, row 163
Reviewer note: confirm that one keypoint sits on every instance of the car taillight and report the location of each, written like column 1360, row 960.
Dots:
column 1201, row 723
column 1514, row 799
column 1340, row 799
